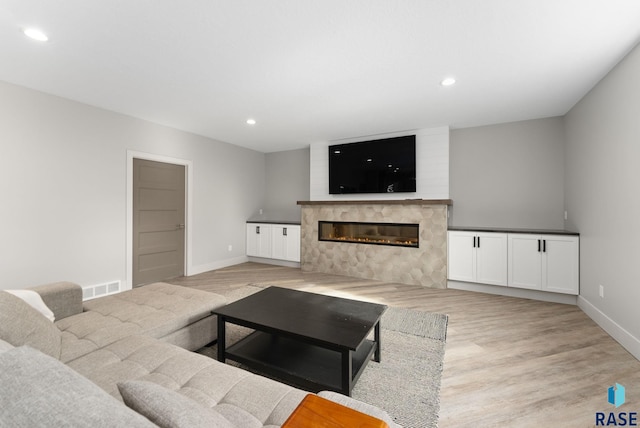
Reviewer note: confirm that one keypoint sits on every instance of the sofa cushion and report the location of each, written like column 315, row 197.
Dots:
column 243, row 398
column 35, row 301
column 168, row 312
column 38, row 390
column 158, row 309
column 169, row 409
column 89, row 331
column 21, row 324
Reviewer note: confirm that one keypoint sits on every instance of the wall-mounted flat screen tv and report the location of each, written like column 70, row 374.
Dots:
column 377, row 166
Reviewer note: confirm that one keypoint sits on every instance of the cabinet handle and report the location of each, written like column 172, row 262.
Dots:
column 478, row 242
column 474, row 242
column 544, row 246
column 257, row 230
column 538, row 245
column 284, row 231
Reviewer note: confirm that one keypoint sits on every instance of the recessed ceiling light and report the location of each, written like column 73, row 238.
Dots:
column 251, row 121
column 36, row 34
column 448, row 81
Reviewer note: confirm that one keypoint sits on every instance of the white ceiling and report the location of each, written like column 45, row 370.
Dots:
column 317, row 70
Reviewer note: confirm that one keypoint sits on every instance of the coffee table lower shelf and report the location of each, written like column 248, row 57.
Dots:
column 303, row 365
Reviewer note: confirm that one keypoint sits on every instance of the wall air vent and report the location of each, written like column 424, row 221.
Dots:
column 92, row 291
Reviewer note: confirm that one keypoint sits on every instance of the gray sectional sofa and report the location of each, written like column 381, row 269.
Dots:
column 130, row 348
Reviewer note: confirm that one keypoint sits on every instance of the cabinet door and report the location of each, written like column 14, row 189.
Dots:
column 461, row 260
column 264, row 240
column 278, row 242
column 293, row 243
column 252, row 239
column 491, row 258
column 285, row 243
column 258, row 240
column 560, row 264
column 525, row 261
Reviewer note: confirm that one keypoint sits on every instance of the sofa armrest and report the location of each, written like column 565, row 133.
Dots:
column 63, row 298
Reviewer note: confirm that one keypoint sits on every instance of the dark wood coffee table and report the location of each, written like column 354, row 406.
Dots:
column 309, row 340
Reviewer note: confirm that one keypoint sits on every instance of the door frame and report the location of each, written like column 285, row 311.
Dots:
column 131, row 155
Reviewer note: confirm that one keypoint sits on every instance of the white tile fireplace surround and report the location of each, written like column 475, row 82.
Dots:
column 424, row 265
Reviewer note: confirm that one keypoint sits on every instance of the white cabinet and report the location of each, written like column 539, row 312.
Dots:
column 259, row 240
column 544, row 262
column 478, row 257
column 273, row 241
column 285, row 242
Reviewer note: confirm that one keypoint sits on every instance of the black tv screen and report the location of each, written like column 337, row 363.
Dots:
column 377, row 166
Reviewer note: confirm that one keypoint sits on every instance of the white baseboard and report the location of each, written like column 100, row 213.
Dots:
column 522, row 293
column 615, row 330
column 275, row 262
column 219, row 264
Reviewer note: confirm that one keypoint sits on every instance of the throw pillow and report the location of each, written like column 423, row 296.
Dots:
column 35, row 301
column 39, row 391
column 167, row 408
column 20, row 324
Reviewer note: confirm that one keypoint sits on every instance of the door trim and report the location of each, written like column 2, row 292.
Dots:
column 131, row 154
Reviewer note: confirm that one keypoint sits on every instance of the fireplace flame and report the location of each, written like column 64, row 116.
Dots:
column 405, row 235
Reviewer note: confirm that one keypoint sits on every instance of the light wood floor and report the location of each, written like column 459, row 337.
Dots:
column 509, row 362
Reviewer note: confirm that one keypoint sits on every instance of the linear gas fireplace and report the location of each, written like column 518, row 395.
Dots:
column 395, row 234
column 423, row 263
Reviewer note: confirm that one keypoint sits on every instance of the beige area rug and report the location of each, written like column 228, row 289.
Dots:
column 406, row 383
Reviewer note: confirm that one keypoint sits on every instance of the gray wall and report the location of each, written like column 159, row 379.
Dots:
column 63, row 187
column 287, row 179
column 603, row 197
column 508, row 175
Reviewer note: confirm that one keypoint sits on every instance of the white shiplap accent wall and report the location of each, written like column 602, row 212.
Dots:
column 432, row 167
